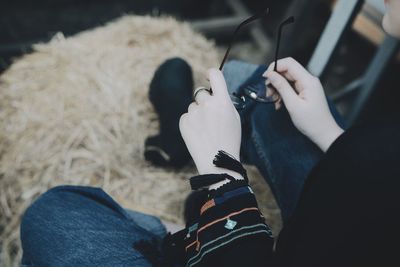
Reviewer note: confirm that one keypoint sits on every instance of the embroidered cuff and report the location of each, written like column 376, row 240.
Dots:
column 225, row 220
column 229, row 217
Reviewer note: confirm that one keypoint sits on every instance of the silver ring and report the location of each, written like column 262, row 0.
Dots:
column 198, row 90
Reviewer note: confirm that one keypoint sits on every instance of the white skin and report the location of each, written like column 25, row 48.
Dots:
column 213, row 123
column 391, row 20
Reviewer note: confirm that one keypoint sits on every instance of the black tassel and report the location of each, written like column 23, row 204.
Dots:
column 227, row 161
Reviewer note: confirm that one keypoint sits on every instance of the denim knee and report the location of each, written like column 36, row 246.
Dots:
column 38, row 211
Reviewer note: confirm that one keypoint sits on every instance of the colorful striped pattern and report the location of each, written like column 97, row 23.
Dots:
column 216, row 221
column 211, row 233
column 226, row 196
column 226, row 239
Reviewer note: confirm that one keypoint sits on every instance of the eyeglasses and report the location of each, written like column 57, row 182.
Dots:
column 256, row 91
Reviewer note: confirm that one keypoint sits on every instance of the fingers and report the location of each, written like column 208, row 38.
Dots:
column 192, row 107
column 292, row 69
column 202, row 97
column 182, row 123
column 184, row 119
column 288, row 94
column 283, row 73
column 274, row 96
column 218, row 84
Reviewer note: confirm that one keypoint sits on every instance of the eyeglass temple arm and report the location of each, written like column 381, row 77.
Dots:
column 289, row 20
column 245, row 22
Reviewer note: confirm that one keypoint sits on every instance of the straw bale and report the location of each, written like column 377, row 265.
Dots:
column 75, row 111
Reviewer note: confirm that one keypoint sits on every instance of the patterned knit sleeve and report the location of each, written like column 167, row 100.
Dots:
column 228, row 229
column 229, row 221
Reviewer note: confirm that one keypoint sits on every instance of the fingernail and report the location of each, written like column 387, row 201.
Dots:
column 267, row 73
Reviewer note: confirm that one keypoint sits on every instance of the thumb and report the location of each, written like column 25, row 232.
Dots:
column 218, row 83
column 286, row 91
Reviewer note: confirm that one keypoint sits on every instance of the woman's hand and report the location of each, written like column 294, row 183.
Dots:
column 211, row 124
column 305, row 101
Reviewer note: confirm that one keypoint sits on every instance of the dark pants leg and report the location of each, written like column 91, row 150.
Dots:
column 83, row 226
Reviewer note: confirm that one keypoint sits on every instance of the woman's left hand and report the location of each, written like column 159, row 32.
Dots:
column 305, row 100
column 212, row 124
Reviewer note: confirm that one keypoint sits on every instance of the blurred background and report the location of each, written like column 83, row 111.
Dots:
column 341, row 41
column 23, row 23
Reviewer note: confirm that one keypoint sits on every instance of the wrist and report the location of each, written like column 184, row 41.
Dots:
column 217, row 170
column 324, row 141
column 222, row 163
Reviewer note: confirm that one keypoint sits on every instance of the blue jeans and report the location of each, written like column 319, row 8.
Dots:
column 83, row 226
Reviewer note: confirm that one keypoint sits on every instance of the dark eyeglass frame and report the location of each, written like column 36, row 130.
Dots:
column 239, row 101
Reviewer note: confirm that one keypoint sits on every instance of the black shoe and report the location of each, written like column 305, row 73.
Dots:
column 170, row 93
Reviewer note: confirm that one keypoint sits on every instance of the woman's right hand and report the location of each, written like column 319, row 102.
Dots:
column 305, row 101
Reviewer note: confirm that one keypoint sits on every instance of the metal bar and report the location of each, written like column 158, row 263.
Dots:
column 218, row 25
column 373, row 74
column 348, row 90
column 340, row 20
